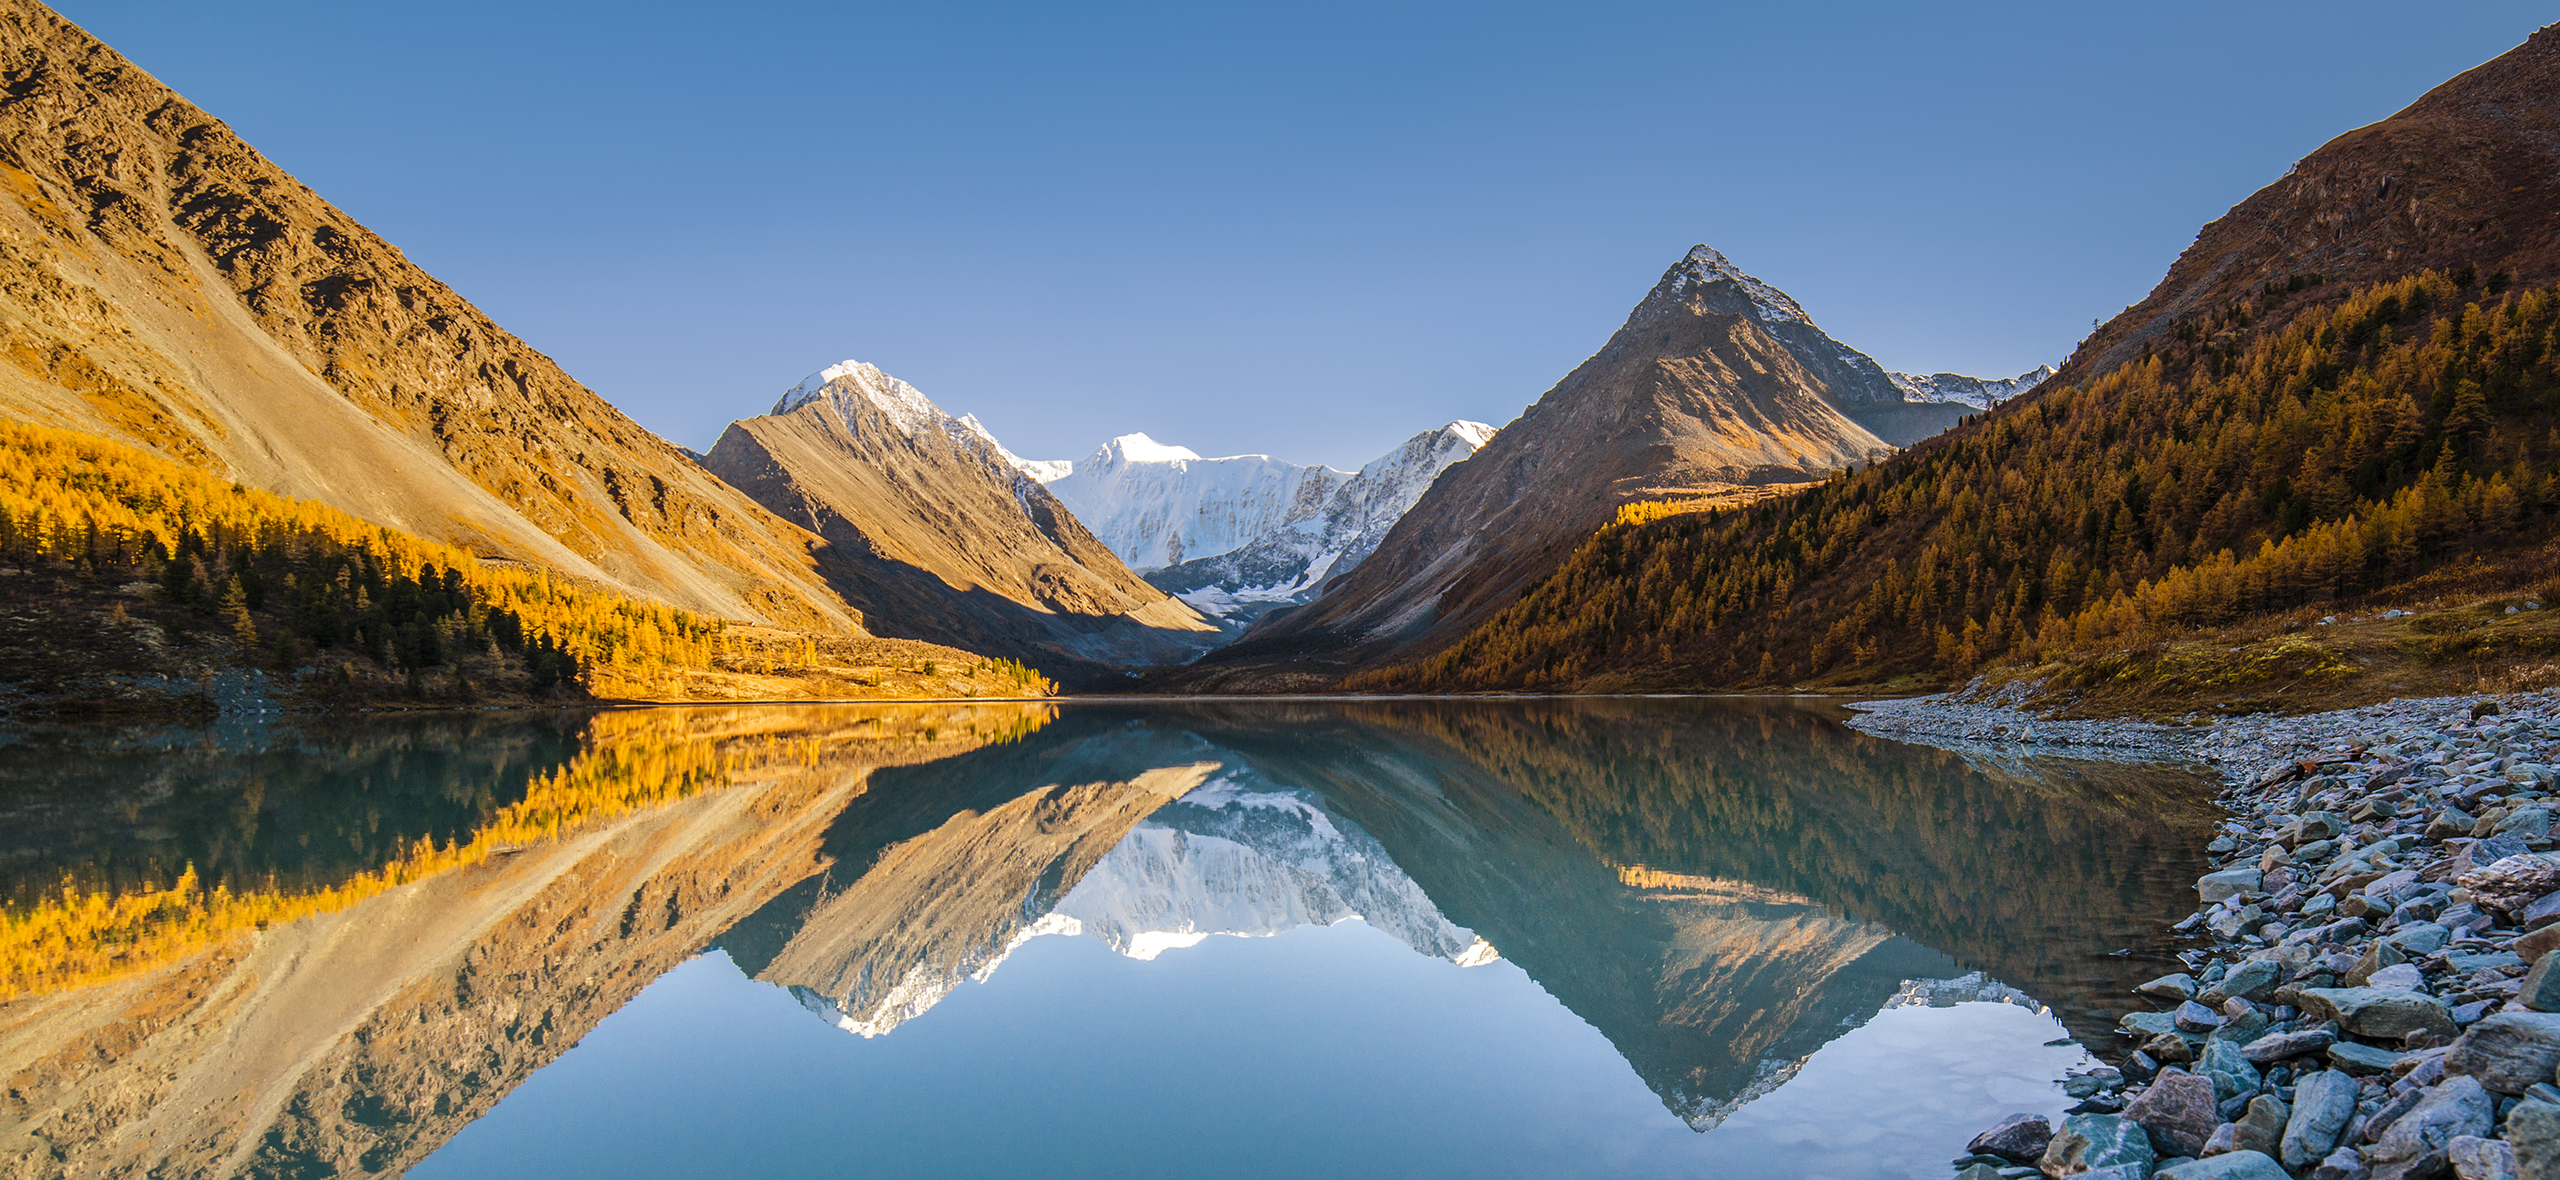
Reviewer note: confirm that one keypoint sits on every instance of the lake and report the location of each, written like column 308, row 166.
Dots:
column 1536, row 938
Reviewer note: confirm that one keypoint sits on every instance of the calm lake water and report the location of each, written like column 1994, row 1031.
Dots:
column 1497, row 938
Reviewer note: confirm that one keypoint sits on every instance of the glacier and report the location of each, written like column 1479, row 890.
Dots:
column 1981, row 393
column 1291, row 563
column 1158, row 505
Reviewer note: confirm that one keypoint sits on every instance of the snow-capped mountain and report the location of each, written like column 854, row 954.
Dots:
column 1249, row 859
column 1236, row 855
column 1292, row 563
column 1157, row 505
column 1956, row 389
column 935, row 532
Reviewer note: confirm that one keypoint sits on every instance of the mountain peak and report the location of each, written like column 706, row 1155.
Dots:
column 907, row 407
column 1138, row 448
column 1475, row 434
column 1704, row 264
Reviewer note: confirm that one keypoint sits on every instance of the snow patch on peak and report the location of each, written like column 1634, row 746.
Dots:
column 907, row 408
column 1138, row 448
column 1474, row 434
column 1705, row 264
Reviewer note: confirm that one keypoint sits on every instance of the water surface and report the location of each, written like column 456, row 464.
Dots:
column 1531, row 938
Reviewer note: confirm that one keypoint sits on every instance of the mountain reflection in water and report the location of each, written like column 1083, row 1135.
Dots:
column 1719, row 888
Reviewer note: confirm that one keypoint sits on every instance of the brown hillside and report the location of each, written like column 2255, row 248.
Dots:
column 163, row 284
column 1692, row 394
column 2313, row 412
column 2465, row 176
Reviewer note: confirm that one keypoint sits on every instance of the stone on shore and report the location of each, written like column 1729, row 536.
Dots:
column 2475, row 1158
column 2533, row 1129
column 2261, row 1129
column 2508, row 1051
column 2019, row 1139
column 2343, row 1164
column 2253, row 980
column 2178, row 1112
column 2460, row 1106
column 2180, row 986
column 2088, row 1142
column 2540, row 990
column 2362, row 1060
column 2231, row 1073
column 2322, row 1104
column 2275, row 1047
column 2379, row 1013
column 2237, row 1165
column 2227, row 884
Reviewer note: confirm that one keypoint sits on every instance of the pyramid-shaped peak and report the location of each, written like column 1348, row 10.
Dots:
column 849, row 380
column 1704, row 265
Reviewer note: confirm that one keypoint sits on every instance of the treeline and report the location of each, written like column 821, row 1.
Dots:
column 2260, row 461
column 328, row 587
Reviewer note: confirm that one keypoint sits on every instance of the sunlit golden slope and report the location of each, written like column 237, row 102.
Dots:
column 163, row 284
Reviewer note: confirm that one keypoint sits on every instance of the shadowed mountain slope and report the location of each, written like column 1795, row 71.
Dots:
column 164, row 285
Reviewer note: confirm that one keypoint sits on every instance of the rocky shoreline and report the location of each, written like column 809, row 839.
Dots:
column 2371, row 994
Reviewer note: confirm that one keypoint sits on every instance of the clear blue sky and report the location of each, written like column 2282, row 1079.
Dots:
column 1308, row 229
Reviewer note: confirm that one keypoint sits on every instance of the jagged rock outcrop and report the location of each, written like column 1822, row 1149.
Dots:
column 1716, row 380
column 163, row 284
column 934, row 531
column 1293, row 562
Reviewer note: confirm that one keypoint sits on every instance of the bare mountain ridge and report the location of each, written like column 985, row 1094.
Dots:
column 934, row 531
column 1697, row 393
column 163, row 284
column 2464, row 176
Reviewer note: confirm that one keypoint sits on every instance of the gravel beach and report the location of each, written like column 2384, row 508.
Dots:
column 2369, row 991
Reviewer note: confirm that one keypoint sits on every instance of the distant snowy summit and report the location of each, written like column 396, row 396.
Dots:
column 1291, row 564
column 1156, row 505
column 1957, row 389
column 850, row 383
column 1237, row 536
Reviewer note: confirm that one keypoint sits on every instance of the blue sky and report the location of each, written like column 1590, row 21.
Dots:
column 1310, row 229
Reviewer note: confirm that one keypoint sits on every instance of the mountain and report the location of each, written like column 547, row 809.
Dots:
column 1955, row 389
column 1716, row 381
column 932, row 528
column 2343, row 395
column 1156, row 505
column 165, row 286
column 1292, row 563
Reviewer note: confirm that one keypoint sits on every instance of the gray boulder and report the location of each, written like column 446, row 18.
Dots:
column 2229, row 883
column 2275, row 1047
column 2460, row 1106
column 2541, row 988
column 2253, row 980
column 2231, row 1073
column 2379, row 1013
column 2089, row 1142
column 2322, row 1104
column 2237, row 1165
column 2533, row 1130
column 2342, row 1164
column 2019, row 1139
column 2508, row 1051
column 2262, row 1128
column 2475, row 1158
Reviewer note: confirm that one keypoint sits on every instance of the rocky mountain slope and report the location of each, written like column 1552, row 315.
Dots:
column 1292, row 563
column 2341, row 399
column 1157, row 505
column 2461, row 177
column 933, row 530
column 1716, row 380
column 164, row 285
